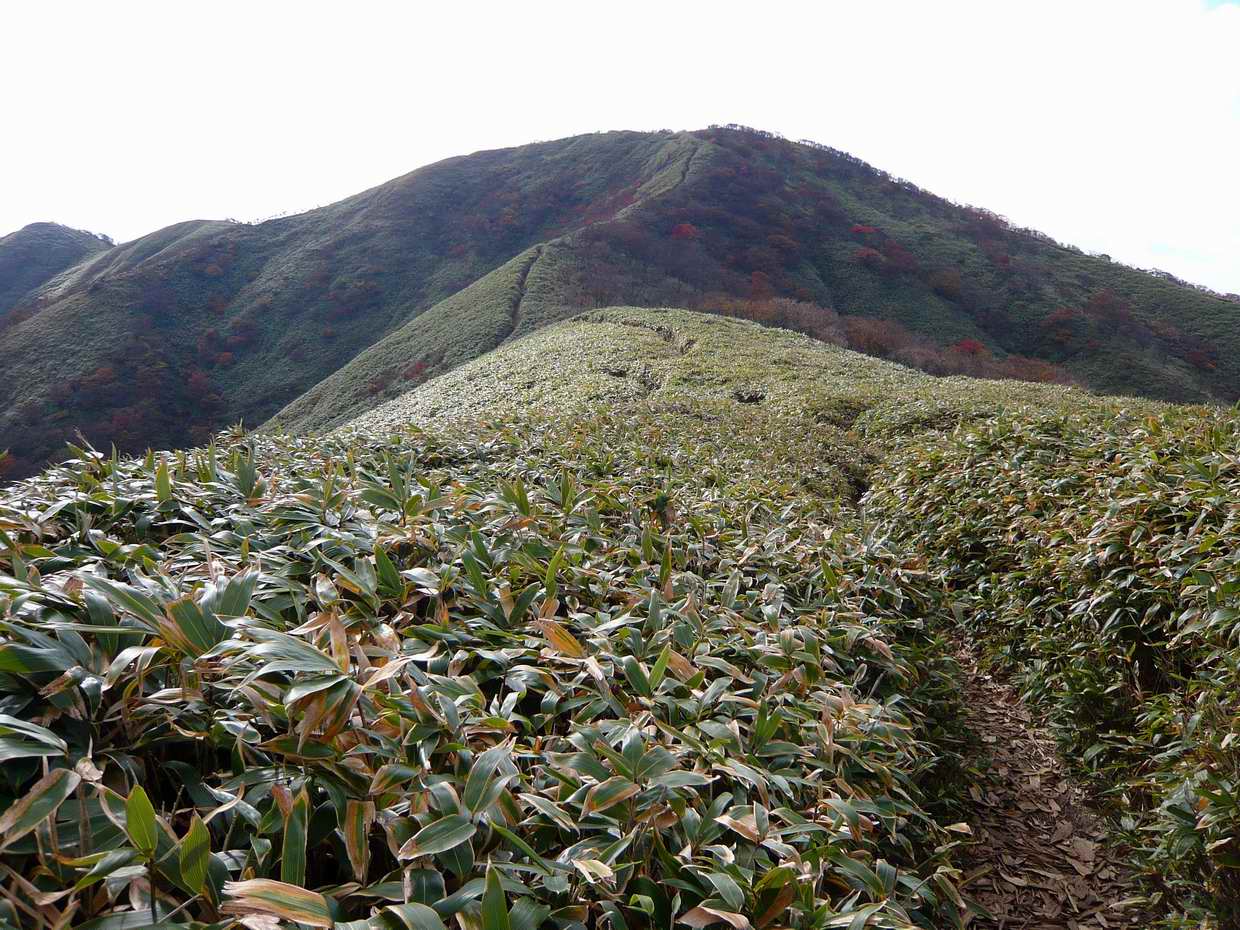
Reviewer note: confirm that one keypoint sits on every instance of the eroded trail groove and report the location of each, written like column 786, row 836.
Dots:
column 1040, row 858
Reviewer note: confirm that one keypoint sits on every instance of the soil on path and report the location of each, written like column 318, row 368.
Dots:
column 1039, row 855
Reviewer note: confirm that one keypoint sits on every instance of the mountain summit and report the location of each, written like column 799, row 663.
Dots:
column 35, row 254
column 315, row 318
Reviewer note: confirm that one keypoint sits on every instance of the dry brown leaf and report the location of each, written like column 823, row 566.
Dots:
column 705, row 916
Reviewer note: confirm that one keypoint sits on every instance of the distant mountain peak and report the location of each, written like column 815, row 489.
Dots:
column 321, row 315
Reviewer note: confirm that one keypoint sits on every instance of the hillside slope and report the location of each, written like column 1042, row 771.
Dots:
column 664, row 357
column 35, row 254
column 645, row 617
column 1085, row 543
column 160, row 341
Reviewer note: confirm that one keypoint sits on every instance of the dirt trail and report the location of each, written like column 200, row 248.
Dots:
column 1039, row 860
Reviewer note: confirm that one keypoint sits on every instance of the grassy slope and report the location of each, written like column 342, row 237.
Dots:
column 688, row 525
column 37, row 253
column 712, row 461
column 447, row 335
column 669, row 356
column 1087, row 542
column 534, row 290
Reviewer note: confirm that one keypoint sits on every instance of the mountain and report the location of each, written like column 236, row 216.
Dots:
column 314, row 318
column 32, row 256
column 647, row 618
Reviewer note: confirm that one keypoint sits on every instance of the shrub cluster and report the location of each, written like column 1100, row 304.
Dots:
column 1096, row 555
column 607, row 672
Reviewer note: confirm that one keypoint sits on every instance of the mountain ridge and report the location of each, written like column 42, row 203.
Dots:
column 36, row 254
column 311, row 318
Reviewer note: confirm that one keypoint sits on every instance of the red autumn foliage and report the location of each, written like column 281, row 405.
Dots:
column 1203, row 359
column 198, row 384
column 876, row 337
column 863, row 230
column 685, row 231
column 1109, row 307
column 996, row 252
column 971, row 347
column 104, row 374
column 7, row 463
column 415, row 371
column 886, row 339
column 207, row 340
column 241, row 333
column 899, row 258
column 786, row 247
column 947, row 283
column 1061, row 316
column 871, row 258
column 224, row 359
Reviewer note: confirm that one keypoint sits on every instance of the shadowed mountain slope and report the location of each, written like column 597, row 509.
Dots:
column 35, row 254
column 162, row 340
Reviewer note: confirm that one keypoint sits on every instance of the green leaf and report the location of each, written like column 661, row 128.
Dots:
column 539, row 862
column 861, row 918
column 38, row 803
column 636, row 674
column 480, row 786
column 389, row 577
column 163, row 484
column 107, row 864
column 414, row 916
column 20, row 739
column 293, row 851
column 232, row 599
column 494, row 903
column 660, row 668
column 189, row 629
column 285, row 653
column 727, row 888
column 140, row 822
column 25, row 660
column 194, row 853
column 127, row 598
column 440, row 836
column 550, row 586
column 528, row 914
column 608, row 794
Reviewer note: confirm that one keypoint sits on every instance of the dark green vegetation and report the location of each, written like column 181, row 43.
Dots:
column 34, row 255
column 1097, row 554
column 161, row 341
column 554, row 671
column 640, row 621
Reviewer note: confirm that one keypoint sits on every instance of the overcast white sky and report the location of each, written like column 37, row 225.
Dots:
column 1112, row 124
